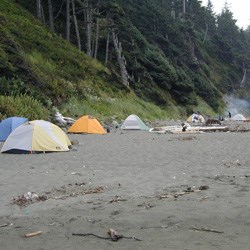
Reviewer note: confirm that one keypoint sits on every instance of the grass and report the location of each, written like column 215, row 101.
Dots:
column 106, row 109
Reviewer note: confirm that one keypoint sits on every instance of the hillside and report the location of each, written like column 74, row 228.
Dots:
column 168, row 66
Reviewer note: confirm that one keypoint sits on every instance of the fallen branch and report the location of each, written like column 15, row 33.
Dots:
column 204, row 229
column 114, row 236
column 4, row 225
column 90, row 234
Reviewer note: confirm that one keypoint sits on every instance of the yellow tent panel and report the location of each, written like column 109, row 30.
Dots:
column 87, row 124
column 36, row 136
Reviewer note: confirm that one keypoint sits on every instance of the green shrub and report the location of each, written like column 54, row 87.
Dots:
column 14, row 87
column 24, row 106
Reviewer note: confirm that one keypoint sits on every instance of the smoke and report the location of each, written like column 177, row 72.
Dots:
column 237, row 106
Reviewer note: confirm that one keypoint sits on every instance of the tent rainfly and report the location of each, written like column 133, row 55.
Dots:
column 36, row 136
column 87, row 124
column 133, row 122
column 9, row 124
column 238, row 117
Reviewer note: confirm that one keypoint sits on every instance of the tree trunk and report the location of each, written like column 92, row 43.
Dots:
column 96, row 36
column 120, row 59
column 184, row 6
column 42, row 14
column 88, row 27
column 76, row 25
column 51, row 17
column 244, row 77
column 68, row 20
column 205, row 36
column 173, row 10
column 39, row 9
column 107, row 49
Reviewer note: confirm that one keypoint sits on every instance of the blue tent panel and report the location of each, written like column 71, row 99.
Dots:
column 9, row 124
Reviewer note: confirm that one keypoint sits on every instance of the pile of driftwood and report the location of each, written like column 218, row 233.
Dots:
column 187, row 129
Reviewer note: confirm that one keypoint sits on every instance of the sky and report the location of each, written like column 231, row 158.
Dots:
column 239, row 8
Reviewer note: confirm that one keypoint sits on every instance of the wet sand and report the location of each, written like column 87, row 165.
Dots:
column 141, row 184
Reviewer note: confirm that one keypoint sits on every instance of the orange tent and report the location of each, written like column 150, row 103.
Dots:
column 87, row 124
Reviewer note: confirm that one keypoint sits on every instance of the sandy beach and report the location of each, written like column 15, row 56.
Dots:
column 171, row 191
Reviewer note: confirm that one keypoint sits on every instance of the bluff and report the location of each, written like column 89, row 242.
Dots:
column 159, row 59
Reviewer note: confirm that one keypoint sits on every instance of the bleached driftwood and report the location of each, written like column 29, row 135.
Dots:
column 62, row 120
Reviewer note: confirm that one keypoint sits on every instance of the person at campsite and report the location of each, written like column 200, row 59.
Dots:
column 221, row 118
column 184, row 127
column 107, row 129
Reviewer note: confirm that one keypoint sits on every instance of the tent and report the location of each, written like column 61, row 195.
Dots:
column 9, row 124
column 87, row 124
column 195, row 118
column 36, row 136
column 133, row 122
column 238, row 117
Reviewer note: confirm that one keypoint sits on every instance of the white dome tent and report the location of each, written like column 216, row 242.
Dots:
column 238, row 117
column 133, row 122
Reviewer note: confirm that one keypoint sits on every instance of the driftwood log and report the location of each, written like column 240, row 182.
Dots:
column 28, row 235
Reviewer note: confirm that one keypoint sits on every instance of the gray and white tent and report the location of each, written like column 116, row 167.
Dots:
column 133, row 122
column 238, row 117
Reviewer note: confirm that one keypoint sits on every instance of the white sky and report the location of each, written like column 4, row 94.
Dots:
column 239, row 8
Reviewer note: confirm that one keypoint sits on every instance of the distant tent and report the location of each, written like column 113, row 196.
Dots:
column 238, row 117
column 133, row 122
column 87, row 124
column 36, row 136
column 195, row 118
column 9, row 124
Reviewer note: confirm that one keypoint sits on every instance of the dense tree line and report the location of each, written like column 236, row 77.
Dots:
column 162, row 49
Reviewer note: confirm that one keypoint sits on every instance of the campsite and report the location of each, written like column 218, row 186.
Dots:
column 124, row 125
column 158, row 190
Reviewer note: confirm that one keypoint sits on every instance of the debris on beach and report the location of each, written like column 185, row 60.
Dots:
column 75, row 173
column 203, row 198
column 188, row 138
column 229, row 164
column 189, row 190
column 239, row 128
column 57, row 193
column 146, row 206
column 80, row 184
column 73, row 191
column 204, row 187
column 28, row 198
column 113, row 235
column 117, row 199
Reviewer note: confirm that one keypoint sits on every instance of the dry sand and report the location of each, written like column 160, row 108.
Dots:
column 141, row 180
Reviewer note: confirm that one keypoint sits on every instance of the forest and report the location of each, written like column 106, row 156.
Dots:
column 109, row 58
